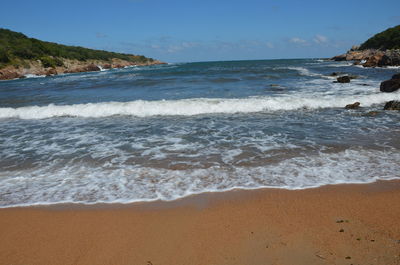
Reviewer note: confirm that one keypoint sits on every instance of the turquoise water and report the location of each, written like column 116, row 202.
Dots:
column 165, row 132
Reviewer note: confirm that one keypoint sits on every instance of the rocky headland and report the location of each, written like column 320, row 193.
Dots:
column 21, row 56
column 36, row 67
column 371, row 57
column 383, row 49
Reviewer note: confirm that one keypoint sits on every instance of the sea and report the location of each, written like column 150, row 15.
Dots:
column 164, row 132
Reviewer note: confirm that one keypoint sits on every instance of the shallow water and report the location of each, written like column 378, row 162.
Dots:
column 165, row 132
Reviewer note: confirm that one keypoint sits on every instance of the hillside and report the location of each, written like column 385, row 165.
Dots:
column 21, row 55
column 381, row 50
column 385, row 40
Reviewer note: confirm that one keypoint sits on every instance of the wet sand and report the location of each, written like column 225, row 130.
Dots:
column 340, row 224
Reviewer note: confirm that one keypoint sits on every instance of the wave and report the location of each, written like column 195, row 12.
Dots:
column 195, row 106
column 85, row 184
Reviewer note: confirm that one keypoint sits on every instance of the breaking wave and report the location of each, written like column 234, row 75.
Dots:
column 195, row 106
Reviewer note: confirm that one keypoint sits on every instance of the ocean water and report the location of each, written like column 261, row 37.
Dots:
column 169, row 131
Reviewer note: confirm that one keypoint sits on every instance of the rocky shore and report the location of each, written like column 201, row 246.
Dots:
column 371, row 57
column 30, row 67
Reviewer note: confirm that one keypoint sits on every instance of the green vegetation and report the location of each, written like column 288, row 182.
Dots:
column 386, row 40
column 16, row 47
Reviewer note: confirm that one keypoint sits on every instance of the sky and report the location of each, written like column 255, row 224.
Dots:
column 204, row 30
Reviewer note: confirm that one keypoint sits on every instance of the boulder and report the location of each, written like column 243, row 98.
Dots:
column 396, row 76
column 392, row 105
column 107, row 66
column 391, row 85
column 51, row 71
column 92, row 68
column 343, row 79
column 355, row 105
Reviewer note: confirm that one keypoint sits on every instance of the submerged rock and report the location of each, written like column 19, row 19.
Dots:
column 343, row 79
column 391, row 85
column 392, row 105
column 355, row 105
column 371, row 113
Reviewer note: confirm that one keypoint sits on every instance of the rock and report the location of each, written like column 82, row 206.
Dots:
column 7, row 74
column 51, row 72
column 390, row 85
column 355, row 105
column 372, row 61
column 343, row 79
column 339, row 58
column 392, row 105
column 92, row 68
column 107, row 66
column 371, row 113
column 396, row 76
column 334, row 74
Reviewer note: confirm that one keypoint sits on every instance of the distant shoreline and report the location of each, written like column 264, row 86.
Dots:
column 70, row 66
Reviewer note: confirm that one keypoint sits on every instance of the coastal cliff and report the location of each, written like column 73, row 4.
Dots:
column 383, row 49
column 21, row 56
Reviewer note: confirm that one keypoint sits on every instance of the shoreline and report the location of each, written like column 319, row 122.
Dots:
column 34, row 69
column 201, row 196
column 333, row 224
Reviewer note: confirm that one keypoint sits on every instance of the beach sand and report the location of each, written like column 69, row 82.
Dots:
column 338, row 224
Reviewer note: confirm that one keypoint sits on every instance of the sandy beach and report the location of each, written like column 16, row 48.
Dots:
column 339, row 224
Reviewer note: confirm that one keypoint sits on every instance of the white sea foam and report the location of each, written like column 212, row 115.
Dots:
column 196, row 106
column 88, row 184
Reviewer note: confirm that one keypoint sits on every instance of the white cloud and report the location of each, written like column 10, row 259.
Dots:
column 297, row 40
column 270, row 45
column 320, row 39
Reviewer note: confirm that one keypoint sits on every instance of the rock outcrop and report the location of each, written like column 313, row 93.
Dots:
column 391, row 85
column 343, row 79
column 355, row 105
column 69, row 66
column 6, row 74
column 371, row 58
column 392, row 105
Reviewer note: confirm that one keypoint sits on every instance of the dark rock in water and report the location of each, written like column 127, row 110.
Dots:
column 371, row 113
column 396, row 76
column 390, row 85
column 334, row 74
column 338, row 58
column 343, row 79
column 355, row 105
column 364, row 84
column 107, row 66
column 392, row 105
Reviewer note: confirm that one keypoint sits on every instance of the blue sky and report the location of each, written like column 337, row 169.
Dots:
column 204, row 30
